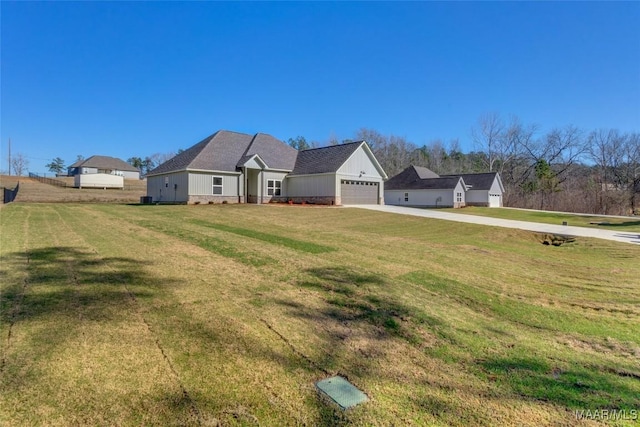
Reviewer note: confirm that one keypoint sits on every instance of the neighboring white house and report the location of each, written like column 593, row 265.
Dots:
column 104, row 165
column 418, row 186
column 483, row 189
column 234, row 167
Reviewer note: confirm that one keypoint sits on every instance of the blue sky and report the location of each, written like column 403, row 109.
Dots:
column 137, row 78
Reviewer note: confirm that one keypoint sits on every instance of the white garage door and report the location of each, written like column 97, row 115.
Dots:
column 494, row 200
column 359, row 192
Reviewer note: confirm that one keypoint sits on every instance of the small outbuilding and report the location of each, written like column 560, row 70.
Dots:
column 483, row 189
column 419, row 186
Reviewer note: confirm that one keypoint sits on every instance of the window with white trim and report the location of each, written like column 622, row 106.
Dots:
column 406, row 197
column 459, row 197
column 274, row 187
column 217, row 185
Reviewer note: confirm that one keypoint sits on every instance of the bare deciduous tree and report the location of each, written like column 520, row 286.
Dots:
column 19, row 164
column 606, row 150
column 489, row 136
column 548, row 170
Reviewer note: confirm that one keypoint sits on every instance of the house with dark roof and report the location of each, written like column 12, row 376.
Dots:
column 483, row 189
column 234, row 167
column 104, row 165
column 419, row 186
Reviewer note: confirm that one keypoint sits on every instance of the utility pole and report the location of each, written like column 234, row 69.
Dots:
column 9, row 156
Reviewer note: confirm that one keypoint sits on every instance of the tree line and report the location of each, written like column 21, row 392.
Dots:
column 565, row 168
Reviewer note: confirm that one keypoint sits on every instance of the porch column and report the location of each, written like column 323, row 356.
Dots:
column 261, row 188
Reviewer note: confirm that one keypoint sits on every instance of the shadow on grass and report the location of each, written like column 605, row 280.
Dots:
column 353, row 297
column 64, row 281
column 576, row 387
column 360, row 318
column 50, row 298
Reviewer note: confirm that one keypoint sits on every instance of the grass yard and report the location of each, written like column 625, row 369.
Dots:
column 629, row 224
column 228, row 314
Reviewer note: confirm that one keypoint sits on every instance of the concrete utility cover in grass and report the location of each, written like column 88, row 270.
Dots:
column 342, row 392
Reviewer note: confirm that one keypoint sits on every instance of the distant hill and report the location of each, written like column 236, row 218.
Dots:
column 33, row 191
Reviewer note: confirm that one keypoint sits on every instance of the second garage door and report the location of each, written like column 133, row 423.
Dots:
column 359, row 192
column 494, row 200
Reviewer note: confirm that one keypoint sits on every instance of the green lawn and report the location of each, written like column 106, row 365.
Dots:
column 579, row 220
column 228, row 315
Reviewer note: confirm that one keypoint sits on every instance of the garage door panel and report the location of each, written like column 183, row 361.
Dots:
column 359, row 192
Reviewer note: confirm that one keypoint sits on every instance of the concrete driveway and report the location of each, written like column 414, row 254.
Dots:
column 565, row 230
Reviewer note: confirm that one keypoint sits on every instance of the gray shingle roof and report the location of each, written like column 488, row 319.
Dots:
column 417, row 177
column 404, row 179
column 275, row 153
column 448, row 183
column 425, row 173
column 410, row 177
column 477, row 181
column 104, row 162
column 324, row 159
column 226, row 150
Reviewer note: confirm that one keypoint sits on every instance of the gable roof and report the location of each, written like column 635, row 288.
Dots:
column 478, row 181
column 417, row 177
column 104, row 162
column 275, row 153
column 324, row 159
column 446, row 183
column 227, row 151
column 411, row 177
column 329, row 159
column 424, row 173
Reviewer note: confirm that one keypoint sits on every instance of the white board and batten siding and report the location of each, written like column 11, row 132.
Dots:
column 169, row 188
column 427, row 198
column 359, row 165
column 267, row 175
column 322, row 185
column 358, row 180
column 201, row 184
column 495, row 194
column 431, row 198
column 258, row 184
column 485, row 198
column 491, row 197
column 478, row 197
column 274, row 176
